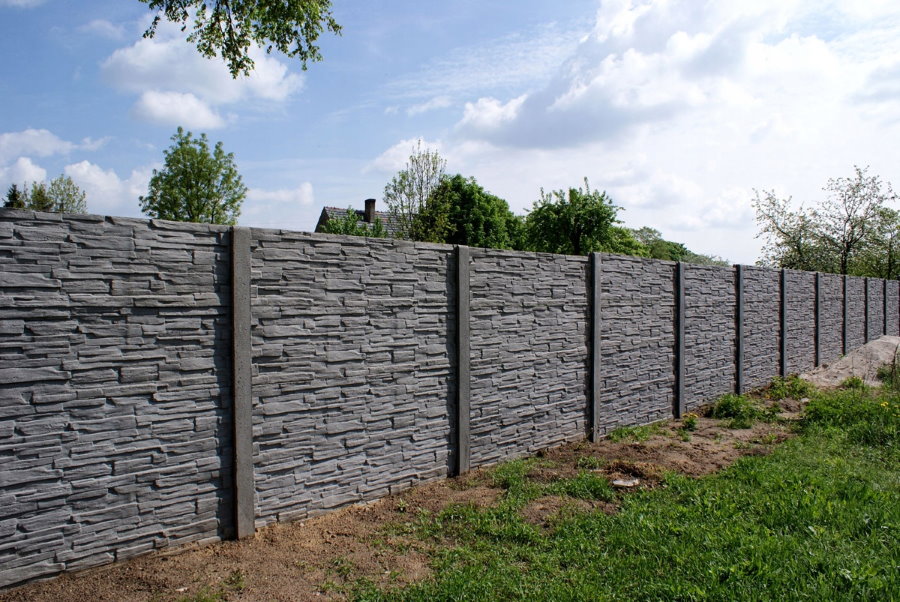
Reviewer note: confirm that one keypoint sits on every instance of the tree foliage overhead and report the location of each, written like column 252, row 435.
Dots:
column 459, row 211
column 351, row 225
column 409, row 190
column 852, row 231
column 574, row 222
column 659, row 248
column 227, row 28
column 61, row 196
column 195, row 185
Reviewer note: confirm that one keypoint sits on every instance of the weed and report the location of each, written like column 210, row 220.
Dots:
column 684, row 434
column 792, row 387
column 590, row 462
column 236, row 580
column 854, row 382
column 635, row 433
column 342, row 567
column 206, row 594
column 402, row 505
column 738, row 409
column 586, row 486
column 689, row 421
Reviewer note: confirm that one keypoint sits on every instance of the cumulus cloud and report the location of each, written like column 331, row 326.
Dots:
column 40, row 143
column 175, row 108
column 395, row 158
column 438, row 102
column 106, row 192
column 21, row 3
column 280, row 208
column 23, row 171
column 104, row 29
column 166, row 68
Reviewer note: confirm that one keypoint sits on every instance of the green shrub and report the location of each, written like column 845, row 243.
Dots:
column 792, row 387
column 854, row 382
column 738, row 409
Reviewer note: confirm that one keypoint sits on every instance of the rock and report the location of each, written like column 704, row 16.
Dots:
column 626, row 483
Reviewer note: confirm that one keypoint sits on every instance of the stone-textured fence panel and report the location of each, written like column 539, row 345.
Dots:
column 801, row 320
column 529, row 352
column 892, row 303
column 856, row 312
column 637, row 319
column 353, row 372
column 831, row 329
column 115, row 401
column 709, row 338
column 875, row 314
column 762, row 320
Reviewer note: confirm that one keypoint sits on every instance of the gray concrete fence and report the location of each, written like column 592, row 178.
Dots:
column 164, row 383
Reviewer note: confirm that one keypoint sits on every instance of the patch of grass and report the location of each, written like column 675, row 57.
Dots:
column 817, row 519
column 586, row 486
column 635, row 433
column 689, row 422
column 862, row 416
column 792, row 387
column 590, row 462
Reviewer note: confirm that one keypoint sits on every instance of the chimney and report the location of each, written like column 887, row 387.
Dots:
column 370, row 211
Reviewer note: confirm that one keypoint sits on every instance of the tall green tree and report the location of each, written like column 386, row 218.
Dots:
column 66, row 196
column 459, row 211
column 196, row 184
column 659, row 248
column 14, row 198
column 409, row 190
column 351, row 225
column 227, row 28
column 833, row 235
column 576, row 221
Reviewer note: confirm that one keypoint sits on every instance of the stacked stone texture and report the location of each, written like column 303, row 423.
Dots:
column 831, row 330
column 762, row 324
column 529, row 352
column 893, row 308
column 709, row 333
column 876, row 308
column 114, row 389
column 801, row 321
column 637, row 320
column 856, row 312
column 353, row 369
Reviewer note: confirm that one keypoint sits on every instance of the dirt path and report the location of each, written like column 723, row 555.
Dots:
column 314, row 559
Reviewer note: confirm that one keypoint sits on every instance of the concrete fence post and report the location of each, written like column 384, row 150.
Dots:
column 818, row 336
column 739, row 329
column 244, row 488
column 680, row 402
column 463, row 388
column 884, row 291
column 596, row 334
column 784, row 319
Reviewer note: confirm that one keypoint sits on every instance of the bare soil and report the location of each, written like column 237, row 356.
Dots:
column 316, row 558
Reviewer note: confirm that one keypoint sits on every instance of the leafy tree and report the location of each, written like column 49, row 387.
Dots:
column 38, row 199
column 623, row 241
column 66, row 196
column 195, row 185
column 408, row 191
column 879, row 256
column 575, row 222
column 459, row 211
column 229, row 27
column 659, row 248
column 352, row 226
column 832, row 237
column 14, row 198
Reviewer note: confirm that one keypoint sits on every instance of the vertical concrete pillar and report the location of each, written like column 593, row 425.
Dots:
column 244, row 490
column 739, row 329
column 680, row 402
column 884, row 295
column 596, row 333
column 784, row 317
column 464, row 441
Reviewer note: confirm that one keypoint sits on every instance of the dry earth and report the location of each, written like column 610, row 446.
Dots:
column 315, row 558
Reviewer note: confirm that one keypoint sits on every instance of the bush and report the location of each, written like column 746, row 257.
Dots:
column 738, row 408
column 792, row 387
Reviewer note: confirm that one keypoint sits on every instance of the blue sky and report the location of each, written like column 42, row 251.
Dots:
column 679, row 109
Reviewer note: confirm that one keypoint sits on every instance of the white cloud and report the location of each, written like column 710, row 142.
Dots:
column 282, row 208
column 168, row 65
column 106, row 192
column 104, row 29
column 21, row 3
column 23, row 171
column 395, row 158
column 40, row 143
column 438, row 102
column 174, row 108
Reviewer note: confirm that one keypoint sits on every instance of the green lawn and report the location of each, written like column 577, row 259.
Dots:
column 818, row 519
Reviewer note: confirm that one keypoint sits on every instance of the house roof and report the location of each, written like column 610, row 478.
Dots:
column 387, row 219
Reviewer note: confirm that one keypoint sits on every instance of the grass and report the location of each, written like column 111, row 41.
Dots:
column 817, row 519
column 635, row 433
column 740, row 411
